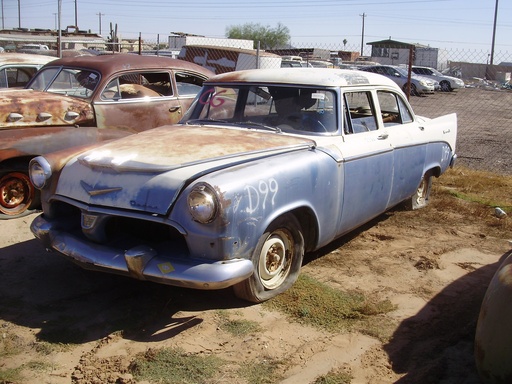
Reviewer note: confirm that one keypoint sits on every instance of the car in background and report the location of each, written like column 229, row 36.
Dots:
column 266, row 165
column 295, row 64
column 419, row 85
column 446, row 83
column 81, row 100
column 321, row 64
column 16, row 69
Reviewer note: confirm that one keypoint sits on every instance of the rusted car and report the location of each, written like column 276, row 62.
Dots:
column 16, row 69
column 81, row 100
column 266, row 165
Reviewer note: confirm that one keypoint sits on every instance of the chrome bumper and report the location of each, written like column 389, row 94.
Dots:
column 143, row 262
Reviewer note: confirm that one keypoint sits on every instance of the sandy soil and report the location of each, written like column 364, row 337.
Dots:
column 435, row 273
column 432, row 264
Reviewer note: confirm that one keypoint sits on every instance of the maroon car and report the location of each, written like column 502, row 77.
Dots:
column 78, row 101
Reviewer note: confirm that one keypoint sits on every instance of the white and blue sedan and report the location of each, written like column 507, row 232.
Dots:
column 265, row 166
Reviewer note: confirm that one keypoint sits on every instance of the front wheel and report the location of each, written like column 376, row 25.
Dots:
column 421, row 197
column 277, row 259
column 445, row 86
column 17, row 194
column 414, row 91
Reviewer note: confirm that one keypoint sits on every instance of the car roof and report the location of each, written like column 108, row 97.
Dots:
column 123, row 61
column 326, row 77
column 12, row 58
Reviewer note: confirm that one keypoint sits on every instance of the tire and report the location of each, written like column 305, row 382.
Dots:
column 277, row 260
column 414, row 91
column 421, row 197
column 445, row 86
column 17, row 194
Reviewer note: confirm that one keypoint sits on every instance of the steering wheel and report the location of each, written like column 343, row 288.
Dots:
column 313, row 124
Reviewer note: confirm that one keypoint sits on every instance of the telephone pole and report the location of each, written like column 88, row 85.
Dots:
column 100, row 14
column 362, row 34
column 494, row 33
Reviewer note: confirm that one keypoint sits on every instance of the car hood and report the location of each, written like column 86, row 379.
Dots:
column 146, row 171
column 21, row 108
column 423, row 78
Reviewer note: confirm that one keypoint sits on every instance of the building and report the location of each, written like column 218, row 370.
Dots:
column 392, row 52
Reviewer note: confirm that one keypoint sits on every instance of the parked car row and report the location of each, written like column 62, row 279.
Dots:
column 418, row 85
column 424, row 80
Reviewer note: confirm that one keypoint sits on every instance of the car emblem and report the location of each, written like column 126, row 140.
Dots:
column 91, row 191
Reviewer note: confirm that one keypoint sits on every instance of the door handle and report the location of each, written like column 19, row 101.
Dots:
column 383, row 136
column 174, row 109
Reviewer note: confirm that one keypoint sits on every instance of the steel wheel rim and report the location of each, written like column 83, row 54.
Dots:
column 15, row 193
column 422, row 190
column 275, row 260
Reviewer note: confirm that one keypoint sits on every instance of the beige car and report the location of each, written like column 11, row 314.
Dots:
column 16, row 69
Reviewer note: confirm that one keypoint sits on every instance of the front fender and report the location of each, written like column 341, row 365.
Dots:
column 254, row 194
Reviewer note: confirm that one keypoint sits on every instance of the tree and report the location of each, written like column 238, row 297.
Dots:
column 344, row 43
column 269, row 38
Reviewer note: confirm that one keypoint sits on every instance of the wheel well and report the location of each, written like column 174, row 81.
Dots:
column 309, row 226
column 15, row 164
column 435, row 171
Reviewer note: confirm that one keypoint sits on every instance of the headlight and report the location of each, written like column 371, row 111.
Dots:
column 40, row 171
column 203, row 203
column 424, row 83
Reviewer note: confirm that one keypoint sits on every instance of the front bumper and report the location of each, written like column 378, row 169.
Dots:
column 171, row 267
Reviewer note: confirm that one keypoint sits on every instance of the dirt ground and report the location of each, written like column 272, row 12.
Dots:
column 434, row 265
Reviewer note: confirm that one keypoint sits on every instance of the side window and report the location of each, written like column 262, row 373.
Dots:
column 138, row 85
column 16, row 77
column 360, row 112
column 188, row 84
column 393, row 109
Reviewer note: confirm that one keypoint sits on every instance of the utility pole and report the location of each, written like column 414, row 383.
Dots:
column 19, row 14
column 76, row 16
column 100, row 14
column 362, row 34
column 3, row 27
column 494, row 33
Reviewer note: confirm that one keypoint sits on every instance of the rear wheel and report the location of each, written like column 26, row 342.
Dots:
column 17, row 194
column 277, row 260
column 421, row 198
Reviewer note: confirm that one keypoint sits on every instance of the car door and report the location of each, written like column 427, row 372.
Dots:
column 407, row 139
column 368, row 162
column 141, row 100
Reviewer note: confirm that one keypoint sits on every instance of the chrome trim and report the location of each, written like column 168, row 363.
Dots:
column 174, row 267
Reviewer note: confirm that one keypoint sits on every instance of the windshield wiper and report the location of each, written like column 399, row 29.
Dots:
column 253, row 124
column 202, row 121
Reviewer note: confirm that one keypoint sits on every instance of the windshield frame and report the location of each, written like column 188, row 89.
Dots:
column 286, row 108
column 69, row 81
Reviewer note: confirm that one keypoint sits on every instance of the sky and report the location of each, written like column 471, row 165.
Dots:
column 446, row 24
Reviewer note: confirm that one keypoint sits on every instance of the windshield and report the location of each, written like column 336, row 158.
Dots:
column 402, row 71
column 298, row 110
column 68, row 81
